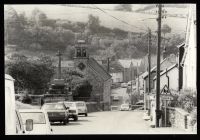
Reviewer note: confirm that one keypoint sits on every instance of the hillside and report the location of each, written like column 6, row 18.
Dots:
column 49, row 28
column 136, row 19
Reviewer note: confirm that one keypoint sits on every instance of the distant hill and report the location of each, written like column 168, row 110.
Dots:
column 139, row 20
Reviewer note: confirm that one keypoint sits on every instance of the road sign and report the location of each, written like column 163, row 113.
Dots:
column 167, row 97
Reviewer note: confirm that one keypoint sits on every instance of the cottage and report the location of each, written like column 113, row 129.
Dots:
column 129, row 72
column 167, row 62
column 189, row 60
column 169, row 77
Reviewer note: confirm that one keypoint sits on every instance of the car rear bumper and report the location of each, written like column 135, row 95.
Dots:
column 55, row 118
column 73, row 115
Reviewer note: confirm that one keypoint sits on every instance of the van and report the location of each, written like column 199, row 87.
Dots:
column 35, row 121
column 10, row 112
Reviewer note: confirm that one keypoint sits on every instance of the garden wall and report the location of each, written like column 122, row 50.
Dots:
column 176, row 117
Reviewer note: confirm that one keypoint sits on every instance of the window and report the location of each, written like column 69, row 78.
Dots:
column 78, row 53
column 84, row 53
column 80, row 104
column 37, row 117
column 54, row 106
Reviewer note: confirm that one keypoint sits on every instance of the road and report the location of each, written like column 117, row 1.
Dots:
column 112, row 122
column 123, row 96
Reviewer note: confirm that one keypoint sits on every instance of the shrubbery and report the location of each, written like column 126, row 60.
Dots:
column 26, row 99
column 186, row 100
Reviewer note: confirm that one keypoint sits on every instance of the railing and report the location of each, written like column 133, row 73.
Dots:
column 86, row 99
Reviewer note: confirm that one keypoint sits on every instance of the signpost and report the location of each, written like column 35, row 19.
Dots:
column 165, row 97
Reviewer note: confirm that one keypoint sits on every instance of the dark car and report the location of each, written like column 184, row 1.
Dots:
column 57, row 112
column 73, row 109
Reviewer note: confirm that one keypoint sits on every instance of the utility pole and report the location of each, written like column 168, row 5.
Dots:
column 131, row 80
column 138, row 79
column 59, row 64
column 149, row 59
column 108, row 67
column 158, row 66
column 149, row 67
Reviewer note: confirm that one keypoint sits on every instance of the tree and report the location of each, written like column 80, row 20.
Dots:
column 32, row 75
column 124, row 7
column 165, row 29
column 93, row 24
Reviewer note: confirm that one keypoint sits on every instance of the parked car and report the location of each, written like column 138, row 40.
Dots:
column 138, row 106
column 82, row 108
column 73, row 110
column 57, row 112
column 125, row 107
column 115, row 98
column 124, row 85
column 35, row 121
column 139, row 103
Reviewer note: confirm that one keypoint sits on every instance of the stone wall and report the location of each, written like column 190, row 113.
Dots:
column 95, row 107
column 176, row 117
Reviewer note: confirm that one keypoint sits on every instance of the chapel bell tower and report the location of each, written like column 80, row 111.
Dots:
column 81, row 55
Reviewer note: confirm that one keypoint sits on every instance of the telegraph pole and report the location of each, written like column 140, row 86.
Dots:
column 138, row 78
column 131, row 80
column 158, row 66
column 108, row 67
column 149, row 59
column 59, row 64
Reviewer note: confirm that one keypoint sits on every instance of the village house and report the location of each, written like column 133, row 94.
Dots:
column 167, row 62
column 127, row 68
column 99, row 79
column 116, row 71
column 189, row 60
column 182, row 75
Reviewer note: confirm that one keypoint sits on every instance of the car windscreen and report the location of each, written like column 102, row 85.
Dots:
column 37, row 117
column 69, row 104
column 53, row 107
column 125, row 105
column 80, row 104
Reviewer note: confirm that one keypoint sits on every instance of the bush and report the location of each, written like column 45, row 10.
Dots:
column 186, row 101
column 27, row 99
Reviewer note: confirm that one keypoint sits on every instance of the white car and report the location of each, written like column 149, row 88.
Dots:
column 125, row 107
column 35, row 121
column 115, row 98
column 73, row 109
column 124, row 85
column 82, row 108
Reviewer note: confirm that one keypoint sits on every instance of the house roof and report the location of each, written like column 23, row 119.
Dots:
column 180, row 45
column 167, row 69
column 145, row 74
column 92, row 63
column 127, row 62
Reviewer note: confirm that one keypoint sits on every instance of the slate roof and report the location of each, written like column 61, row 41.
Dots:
column 145, row 74
column 167, row 69
column 127, row 62
column 92, row 63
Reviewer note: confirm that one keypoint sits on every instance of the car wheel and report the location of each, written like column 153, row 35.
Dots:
column 86, row 115
column 76, row 118
column 65, row 122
